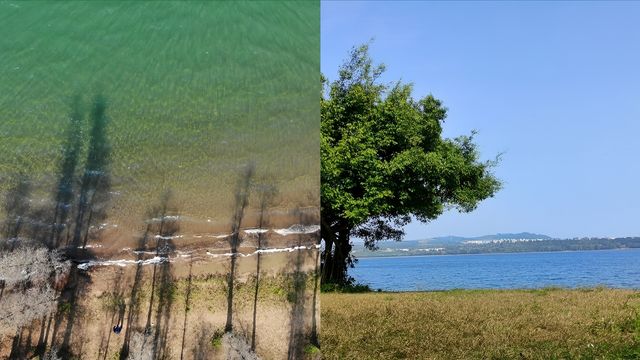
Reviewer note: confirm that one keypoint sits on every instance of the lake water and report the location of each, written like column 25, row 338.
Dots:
column 613, row 268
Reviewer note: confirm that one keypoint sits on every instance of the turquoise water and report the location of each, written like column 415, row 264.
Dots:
column 193, row 90
column 614, row 268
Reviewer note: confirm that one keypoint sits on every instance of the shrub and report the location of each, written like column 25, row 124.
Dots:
column 29, row 277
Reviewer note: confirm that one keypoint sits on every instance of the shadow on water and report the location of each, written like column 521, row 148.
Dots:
column 266, row 192
column 16, row 207
column 96, row 180
column 241, row 202
column 64, row 195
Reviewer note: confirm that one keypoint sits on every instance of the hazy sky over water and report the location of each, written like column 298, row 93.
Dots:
column 555, row 86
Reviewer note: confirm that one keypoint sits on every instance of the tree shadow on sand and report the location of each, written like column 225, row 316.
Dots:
column 187, row 306
column 266, row 193
column 299, row 337
column 242, row 192
column 135, row 296
column 113, row 305
column 163, row 222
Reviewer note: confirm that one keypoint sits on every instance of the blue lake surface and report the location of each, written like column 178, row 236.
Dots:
column 612, row 268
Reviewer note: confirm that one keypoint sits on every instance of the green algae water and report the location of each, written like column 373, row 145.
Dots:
column 192, row 93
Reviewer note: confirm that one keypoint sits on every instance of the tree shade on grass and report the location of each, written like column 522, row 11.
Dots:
column 383, row 159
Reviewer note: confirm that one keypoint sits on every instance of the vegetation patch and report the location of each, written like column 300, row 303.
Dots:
column 216, row 339
column 311, row 350
column 348, row 288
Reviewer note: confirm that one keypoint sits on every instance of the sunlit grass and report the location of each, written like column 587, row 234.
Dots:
column 484, row 324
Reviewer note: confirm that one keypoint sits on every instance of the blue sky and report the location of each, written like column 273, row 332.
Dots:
column 555, row 86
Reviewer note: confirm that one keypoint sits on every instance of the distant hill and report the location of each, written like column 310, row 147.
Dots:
column 499, row 236
column 497, row 243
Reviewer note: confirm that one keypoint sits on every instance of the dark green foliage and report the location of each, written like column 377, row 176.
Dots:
column 384, row 160
column 348, row 288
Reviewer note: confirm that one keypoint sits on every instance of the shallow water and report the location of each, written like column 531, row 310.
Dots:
column 194, row 91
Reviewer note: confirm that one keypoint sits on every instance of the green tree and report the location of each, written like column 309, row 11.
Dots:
column 384, row 160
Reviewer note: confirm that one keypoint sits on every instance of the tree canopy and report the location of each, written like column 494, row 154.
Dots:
column 384, row 160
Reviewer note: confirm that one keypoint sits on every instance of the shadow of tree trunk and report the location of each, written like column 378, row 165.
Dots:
column 96, row 181
column 68, row 308
column 16, row 207
column 114, row 306
column 314, row 338
column 266, row 193
column 166, row 294
column 187, row 305
column 17, row 352
column 241, row 202
column 64, row 195
column 134, row 298
column 44, row 334
column 297, row 296
column 164, row 222
column 202, row 349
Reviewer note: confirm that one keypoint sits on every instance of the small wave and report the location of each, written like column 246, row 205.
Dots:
column 140, row 252
column 123, row 262
column 166, row 218
column 219, row 255
column 90, row 246
column 104, row 226
column 255, row 231
column 168, row 237
column 298, row 229
column 266, row 251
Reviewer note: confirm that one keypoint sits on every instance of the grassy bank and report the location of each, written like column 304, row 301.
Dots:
column 482, row 324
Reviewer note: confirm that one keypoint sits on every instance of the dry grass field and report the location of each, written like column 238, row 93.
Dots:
column 482, row 324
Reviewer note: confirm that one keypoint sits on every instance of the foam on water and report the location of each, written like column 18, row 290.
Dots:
column 122, row 262
column 298, row 229
column 266, row 251
column 255, row 231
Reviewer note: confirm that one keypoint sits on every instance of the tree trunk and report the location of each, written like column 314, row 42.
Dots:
column 327, row 261
column 336, row 254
